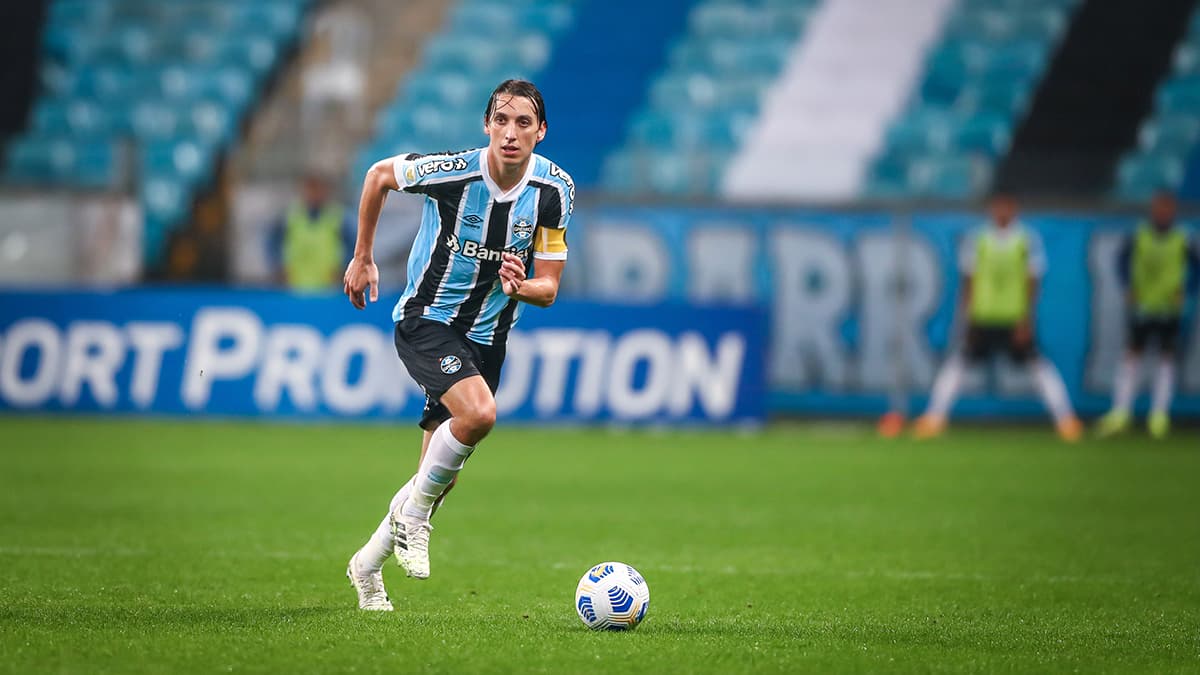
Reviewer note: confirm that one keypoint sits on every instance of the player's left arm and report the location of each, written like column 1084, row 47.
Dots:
column 549, row 246
column 1036, row 269
column 541, row 289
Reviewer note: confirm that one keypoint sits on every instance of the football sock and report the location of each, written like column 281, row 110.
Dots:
column 1052, row 389
column 1125, row 383
column 1164, row 385
column 375, row 552
column 945, row 387
column 443, row 461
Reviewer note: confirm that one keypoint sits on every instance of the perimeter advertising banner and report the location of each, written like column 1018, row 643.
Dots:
column 247, row 353
column 863, row 302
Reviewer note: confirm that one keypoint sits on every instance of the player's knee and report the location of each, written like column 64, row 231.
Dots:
column 479, row 420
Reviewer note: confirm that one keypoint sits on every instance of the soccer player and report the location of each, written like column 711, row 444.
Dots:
column 489, row 213
column 1002, row 264
column 1156, row 264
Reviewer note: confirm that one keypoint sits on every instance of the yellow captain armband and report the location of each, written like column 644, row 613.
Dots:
column 550, row 244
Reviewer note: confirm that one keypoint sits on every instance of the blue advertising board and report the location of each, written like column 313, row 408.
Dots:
column 256, row 353
column 862, row 301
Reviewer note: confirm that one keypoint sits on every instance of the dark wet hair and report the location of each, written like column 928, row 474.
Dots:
column 523, row 88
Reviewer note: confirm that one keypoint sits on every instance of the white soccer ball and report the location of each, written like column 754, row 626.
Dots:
column 612, row 596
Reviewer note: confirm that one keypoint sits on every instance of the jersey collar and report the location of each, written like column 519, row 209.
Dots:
column 504, row 195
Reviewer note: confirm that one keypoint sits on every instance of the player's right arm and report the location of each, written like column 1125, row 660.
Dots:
column 362, row 273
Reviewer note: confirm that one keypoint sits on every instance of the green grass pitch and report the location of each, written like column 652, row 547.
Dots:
column 140, row 546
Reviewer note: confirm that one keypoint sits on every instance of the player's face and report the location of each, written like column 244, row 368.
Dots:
column 1162, row 210
column 514, row 130
column 1004, row 210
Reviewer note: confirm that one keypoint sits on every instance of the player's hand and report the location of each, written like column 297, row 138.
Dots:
column 360, row 275
column 512, row 274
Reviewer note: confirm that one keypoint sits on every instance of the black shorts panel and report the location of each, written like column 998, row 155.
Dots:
column 438, row 356
column 984, row 342
column 1160, row 331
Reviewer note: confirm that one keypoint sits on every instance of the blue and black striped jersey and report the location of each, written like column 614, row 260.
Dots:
column 467, row 223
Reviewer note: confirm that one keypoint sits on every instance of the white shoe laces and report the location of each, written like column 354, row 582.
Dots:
column 417, row 538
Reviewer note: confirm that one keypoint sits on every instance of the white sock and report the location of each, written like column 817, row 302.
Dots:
column 1164, row 386
column 1125, row 384
column 945, row 387
column 1052, row 389
column 443, row 460
column 375, row 552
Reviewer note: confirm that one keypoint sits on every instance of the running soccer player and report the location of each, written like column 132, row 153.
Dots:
column 1156, row 264
column 489, row 213
column 1001, row 265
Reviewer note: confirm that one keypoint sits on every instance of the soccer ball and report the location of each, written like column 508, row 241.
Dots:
column 612, row 596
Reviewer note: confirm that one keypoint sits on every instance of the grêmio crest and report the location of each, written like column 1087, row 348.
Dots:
column 523, row 228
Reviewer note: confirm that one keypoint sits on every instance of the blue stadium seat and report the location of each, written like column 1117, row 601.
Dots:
column 701, row 106
column 169, row 79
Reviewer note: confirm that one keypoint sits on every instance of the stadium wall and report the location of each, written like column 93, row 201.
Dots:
column 274, row 354
column 861, row 304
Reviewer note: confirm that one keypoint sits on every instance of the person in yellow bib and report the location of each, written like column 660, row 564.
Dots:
column 311, row 245
column 1001, row 264
column 1158, row 265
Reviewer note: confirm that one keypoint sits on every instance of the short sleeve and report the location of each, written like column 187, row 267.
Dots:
column 554, row 215
column 424, row 173
column 966, row 254
column 1036, row 256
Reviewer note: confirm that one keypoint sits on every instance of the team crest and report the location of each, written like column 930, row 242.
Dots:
column 450, row 364
column 523, row 228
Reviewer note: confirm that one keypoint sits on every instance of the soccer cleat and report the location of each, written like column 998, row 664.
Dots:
column 928, row 426
column 371, row 595
column 1070, row 429
column 1159, row 425
column 411, row 545
column 1113, row 423
column 891, row 425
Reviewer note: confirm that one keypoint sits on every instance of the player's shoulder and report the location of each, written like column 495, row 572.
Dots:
column 547, row 171
column 448, row 162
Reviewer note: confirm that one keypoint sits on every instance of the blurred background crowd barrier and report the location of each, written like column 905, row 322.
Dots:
column 796, row 174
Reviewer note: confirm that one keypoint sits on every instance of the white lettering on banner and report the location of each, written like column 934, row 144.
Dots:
column 812, row 298
column 556, row 348
column 1108, row 312
column 722, row 259
column 339, row 393
column 517, row 375
column 901, row 284
column 652, row 347
column 149, row 340
column 95, row 352
column 713, row 380
column 289, row 362
column 36, row 388
column 626, row 263
column 589, row 388
column 680, row 372
column 207, row 361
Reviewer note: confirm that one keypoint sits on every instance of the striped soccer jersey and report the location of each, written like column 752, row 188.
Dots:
column 467, row 223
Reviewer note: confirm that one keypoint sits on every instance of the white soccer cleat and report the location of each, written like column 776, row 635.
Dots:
column 411, row 545
column 372, row 597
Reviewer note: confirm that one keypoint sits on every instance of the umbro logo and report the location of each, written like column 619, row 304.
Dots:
column 472, row 220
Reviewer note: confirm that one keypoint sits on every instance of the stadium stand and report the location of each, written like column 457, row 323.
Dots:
column 440, row 106
column 147, row 95
column 700, row 107
column 977, row 85
column 1169, row 136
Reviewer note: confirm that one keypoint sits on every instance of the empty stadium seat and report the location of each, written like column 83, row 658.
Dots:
column 170, row 80
column 978, row 81
column 1169, row 136
column 700, row 107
